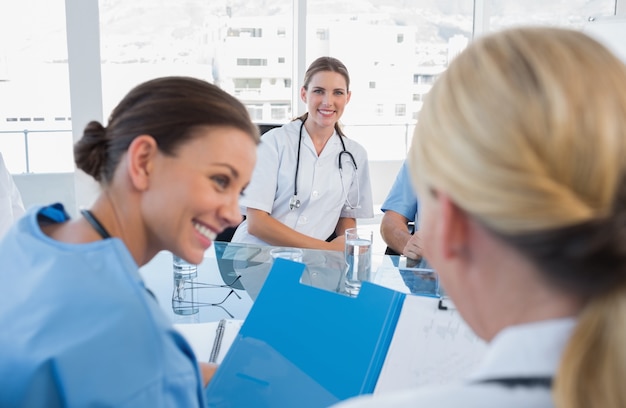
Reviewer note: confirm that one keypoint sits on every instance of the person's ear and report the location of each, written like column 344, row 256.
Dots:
column 349, row 95
column 141, row 153
column 303, row 94
column 454, row 224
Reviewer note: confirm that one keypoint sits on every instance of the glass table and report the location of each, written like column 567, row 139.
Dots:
column 232, row 274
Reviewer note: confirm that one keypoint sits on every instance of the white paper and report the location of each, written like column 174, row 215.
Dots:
column 201, row 337
column 429, row 346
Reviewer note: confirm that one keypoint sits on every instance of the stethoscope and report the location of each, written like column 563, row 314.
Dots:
column 295, row 203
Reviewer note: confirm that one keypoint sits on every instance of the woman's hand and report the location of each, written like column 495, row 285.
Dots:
column 338, row 244
column 207, row 370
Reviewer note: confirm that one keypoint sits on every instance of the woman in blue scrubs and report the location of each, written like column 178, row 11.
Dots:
column 78, row 327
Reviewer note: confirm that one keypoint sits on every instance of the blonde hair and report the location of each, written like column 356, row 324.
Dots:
column 526, row 131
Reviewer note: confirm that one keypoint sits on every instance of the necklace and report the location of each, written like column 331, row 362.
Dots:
column 93, row 221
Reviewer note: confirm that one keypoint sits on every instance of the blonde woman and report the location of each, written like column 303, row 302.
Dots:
column 518, row 159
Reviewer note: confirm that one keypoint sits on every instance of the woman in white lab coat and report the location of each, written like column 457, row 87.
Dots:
column 518, row 159
column 310, row 181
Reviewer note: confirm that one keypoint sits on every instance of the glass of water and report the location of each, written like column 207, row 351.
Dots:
column 358, row 256
column 293, row 254
column 185, row 295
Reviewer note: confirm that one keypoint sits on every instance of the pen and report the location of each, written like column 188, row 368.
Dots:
column 217, row 343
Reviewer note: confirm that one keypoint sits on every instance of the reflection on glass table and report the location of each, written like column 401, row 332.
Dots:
column 205, row 296
column 186, row 295
column 407, row 275
column 231, row 275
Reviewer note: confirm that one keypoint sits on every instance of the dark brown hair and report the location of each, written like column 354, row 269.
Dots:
column 168, row 109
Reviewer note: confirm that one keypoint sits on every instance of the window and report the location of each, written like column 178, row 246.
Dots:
column 424, row 79
column 34, row 87
column 143, row 39
column 245, row 32
column 506, row 13
column 280, row 112
column 256, row 62
column 398, row 38
column 255, row 111
column 400, row 109
column 210, row 40
column 245, row 83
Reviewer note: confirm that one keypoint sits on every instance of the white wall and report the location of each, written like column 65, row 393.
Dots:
column 48, row 188
column 382, row 174
column 611, row 31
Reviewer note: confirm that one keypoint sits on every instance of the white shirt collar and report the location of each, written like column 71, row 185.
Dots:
column 525, row 350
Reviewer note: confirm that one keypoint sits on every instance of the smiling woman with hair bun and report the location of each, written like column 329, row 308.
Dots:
column 78, row 326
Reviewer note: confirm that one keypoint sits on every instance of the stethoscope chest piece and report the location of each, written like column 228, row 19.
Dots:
column 294, row 203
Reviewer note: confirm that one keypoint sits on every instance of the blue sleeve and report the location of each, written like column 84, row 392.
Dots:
column 401, row 198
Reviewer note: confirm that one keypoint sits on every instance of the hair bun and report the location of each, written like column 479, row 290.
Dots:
column 90, row 151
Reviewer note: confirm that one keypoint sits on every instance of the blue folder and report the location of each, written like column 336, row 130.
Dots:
column 304, row 346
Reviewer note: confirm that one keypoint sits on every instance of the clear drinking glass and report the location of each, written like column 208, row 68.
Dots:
column 185, row 294
column 293, row 254
column 358, row 257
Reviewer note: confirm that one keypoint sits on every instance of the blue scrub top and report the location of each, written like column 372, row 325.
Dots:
column 78, row 327
column 401, row 198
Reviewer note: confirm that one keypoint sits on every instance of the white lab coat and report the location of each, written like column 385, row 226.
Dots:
column 529, row 350
column 11, row 206
column 325, row 194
